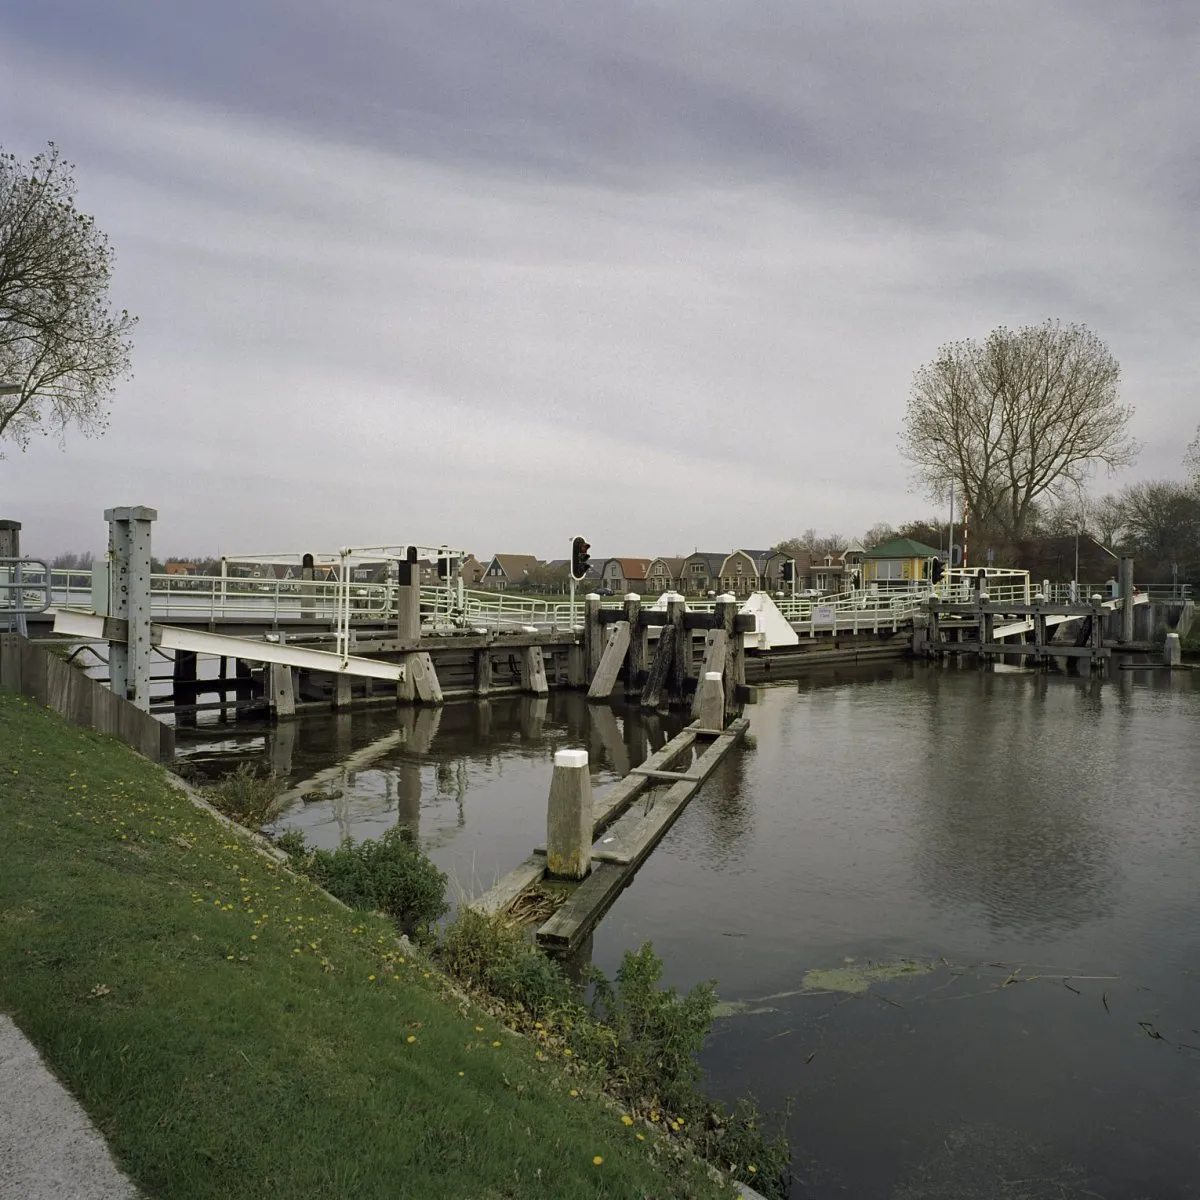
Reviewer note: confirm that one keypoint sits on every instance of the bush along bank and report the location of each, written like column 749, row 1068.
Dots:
column 634, row 1041
column 233, row 1032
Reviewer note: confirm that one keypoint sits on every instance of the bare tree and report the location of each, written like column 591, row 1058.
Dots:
column 878, row 534
column 1191, row 460
column 62, row 348
column 1026, row 414
column 1162, row 522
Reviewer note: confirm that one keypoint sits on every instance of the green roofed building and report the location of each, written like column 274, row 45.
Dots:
column 899, row 564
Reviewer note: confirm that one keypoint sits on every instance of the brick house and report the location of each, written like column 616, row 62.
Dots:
column 701, row 573
column 622, row 575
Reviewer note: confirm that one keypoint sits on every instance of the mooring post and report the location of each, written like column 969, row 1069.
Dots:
column 408, row 621
column 635, row 656
column 281, row 691
column 1097, row 634
column 593, row 635
column 1039, row 628
column 681, row 663
column 712, row 701
column 986, row 619
column 408, row 601
column 933, row 633
column 1172, row 651
column 735, row 652
column 1125, row 578
column 341, row 691
column 569, row 817
column 483, row 671
column 129, row 556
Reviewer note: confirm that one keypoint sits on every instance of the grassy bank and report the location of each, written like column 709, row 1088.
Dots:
column 234, row 1034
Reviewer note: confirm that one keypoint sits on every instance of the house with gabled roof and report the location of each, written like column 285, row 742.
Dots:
column 622, row 575
column 701, row 573
column 664, row 575
column 508, row 570
column 745, row 571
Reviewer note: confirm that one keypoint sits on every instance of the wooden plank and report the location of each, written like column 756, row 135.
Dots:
column 595, row 895
column 584, row 907
column 503, row 894
column 605, row 678
column 632, row 838
column 674, row 775
column 533, row 671
column 614, row 800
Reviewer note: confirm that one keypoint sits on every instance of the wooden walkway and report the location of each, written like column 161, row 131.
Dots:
column 623, row 833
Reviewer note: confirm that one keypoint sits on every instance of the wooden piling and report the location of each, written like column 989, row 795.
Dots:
column 569, row 817
column 1125, row 578
column 681, row 660
column 576, row 671
column 483, row 671
column 593, row 634
column 635, row 655
column 408, row 601
column 735, row 653
column 341, row 691
column 533, row 671
column 281, row 692
column 659, row 676
column 715, row 641
column 1172, row 651
column 711, row 695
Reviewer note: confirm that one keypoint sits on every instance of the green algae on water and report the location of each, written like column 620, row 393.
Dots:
column 857, row 979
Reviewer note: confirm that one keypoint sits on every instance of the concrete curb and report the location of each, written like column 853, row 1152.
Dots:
column 49, row 1150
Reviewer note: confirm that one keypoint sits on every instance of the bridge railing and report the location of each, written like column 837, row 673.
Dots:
column 217, row 597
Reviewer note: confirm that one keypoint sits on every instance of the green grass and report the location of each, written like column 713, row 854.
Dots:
column 233, row 1033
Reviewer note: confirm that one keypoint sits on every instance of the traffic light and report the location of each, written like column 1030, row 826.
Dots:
column 446, row 566
column 938, row 570
column 579, row 557
column 787, row 570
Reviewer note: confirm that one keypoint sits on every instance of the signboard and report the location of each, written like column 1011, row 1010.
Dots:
column 824, row 614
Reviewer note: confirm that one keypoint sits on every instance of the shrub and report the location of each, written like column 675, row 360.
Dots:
column 389, row 875
column 639, row 1039
column 246, row 796
column 496, row 955
column 658, row 1033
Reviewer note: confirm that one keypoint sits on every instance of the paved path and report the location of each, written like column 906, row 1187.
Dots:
column 48, row 1148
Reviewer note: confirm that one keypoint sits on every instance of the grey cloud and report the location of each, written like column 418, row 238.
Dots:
column 407, row 265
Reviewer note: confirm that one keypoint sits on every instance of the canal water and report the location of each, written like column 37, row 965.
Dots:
column 954, row 915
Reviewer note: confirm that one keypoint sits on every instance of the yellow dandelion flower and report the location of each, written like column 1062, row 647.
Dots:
column 371, row 978
column 626, row 1120
column 567, row 1053
column 496, row 1045
column 254, row 937
column 478, row 1028
column 412, row 1037
column 752, row 1168
column 461, row 1074
column 597, row 1160
column 641, row 1137
column 574, row 1092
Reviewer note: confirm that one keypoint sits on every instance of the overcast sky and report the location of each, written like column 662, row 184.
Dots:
column 495, row 273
